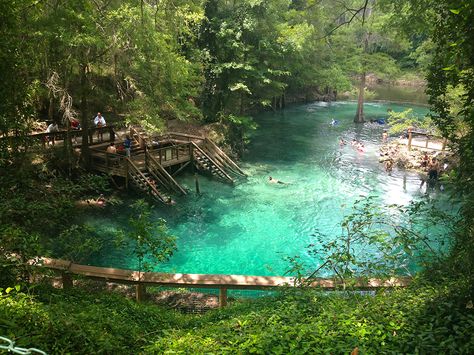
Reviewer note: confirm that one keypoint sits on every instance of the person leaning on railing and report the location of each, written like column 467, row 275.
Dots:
column 99, row 121
column 52, row 128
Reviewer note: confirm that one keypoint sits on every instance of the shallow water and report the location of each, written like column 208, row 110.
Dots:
column 249, row 228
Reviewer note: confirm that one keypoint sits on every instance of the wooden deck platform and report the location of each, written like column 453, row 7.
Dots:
column 154, row 162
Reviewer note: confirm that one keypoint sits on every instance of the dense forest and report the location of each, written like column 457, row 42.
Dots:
column 218, row 62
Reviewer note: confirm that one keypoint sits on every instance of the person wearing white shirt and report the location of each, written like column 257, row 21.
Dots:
column 99, row 121
column 52, row 128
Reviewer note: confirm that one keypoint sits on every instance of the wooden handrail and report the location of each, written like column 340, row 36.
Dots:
column 229, row 161
column 164, row 172
column 211, row 280
column 221, row 282
column 213, row 162
column 137, row 171
column 189, row 136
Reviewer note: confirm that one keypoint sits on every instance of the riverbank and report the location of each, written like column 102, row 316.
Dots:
column 396, row 153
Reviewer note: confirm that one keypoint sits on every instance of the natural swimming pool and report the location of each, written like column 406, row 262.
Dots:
column 249, row 228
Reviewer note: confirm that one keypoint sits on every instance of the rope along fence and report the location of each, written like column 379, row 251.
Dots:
column 9, row 345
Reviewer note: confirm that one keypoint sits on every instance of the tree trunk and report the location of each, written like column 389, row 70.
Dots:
column 359, row 117
column 51, row 108
column 84, row 118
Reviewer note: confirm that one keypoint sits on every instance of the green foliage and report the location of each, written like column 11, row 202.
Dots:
column 82, row 322
column 238, row 131
column 425, row 318
column 400, row 121
column 152, row 243
column 77, row 243
column 37, row 216
column 404, row 321
column 374, row 242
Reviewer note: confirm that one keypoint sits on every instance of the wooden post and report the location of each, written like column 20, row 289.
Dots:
column 67, row 280
column 146, row 157
column 222, row 297
column 140, row 292
column 126, row 173
column 427, row 141
column 445, row 142
column 198, row 190
column 409, row 138
column 111, row 134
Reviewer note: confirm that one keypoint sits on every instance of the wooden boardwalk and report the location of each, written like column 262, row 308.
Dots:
column 213, row 281
column 155, row 161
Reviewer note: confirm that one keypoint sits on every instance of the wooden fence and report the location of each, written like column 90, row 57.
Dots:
column 220, row 282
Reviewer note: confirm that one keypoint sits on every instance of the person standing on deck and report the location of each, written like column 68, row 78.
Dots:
column 99, row 121
column 52, row 128
column 128, row 146
column 384, row 135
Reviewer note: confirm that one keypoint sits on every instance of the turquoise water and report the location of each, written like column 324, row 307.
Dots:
column 249, row 228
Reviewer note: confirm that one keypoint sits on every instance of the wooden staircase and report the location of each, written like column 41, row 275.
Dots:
column 221, row 158
column 203, row 161
column 161, row 175
column 144, row 181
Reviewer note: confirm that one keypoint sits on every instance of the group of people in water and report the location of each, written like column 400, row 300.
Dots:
column 359, row 146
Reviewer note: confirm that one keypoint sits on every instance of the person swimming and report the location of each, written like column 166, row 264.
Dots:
column 360, row 147
column 334, row 122
column 275, row 181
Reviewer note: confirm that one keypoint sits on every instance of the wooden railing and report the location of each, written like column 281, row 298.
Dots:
column 53, row 137
column 142, row 180
column 161, row 174
column 217, row 166
column 220, row 282
column 109, row 163
column 211, row 146
column 428, row 136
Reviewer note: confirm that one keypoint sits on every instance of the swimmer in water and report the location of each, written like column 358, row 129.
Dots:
column 275, row 181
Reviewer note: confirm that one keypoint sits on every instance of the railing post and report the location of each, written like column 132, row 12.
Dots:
column 146, row 157
column 126, row 173
column 140, row 292
column 222, row 297
column 409, row 138
column 67, row 280
column 111, row 134
column 445, row 141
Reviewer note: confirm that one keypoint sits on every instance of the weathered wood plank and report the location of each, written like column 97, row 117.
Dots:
column 211, row 280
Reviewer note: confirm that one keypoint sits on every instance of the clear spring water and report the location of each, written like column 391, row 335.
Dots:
column 249, row 228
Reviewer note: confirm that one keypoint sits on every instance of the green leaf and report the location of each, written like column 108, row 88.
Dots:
column 455, row 11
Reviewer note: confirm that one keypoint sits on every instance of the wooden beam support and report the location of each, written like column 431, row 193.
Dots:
column 67, row 280
column 222, row 297
column 409, row 138
column 140, row 292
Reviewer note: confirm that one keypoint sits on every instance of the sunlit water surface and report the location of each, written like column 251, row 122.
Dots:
column 250, row 227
